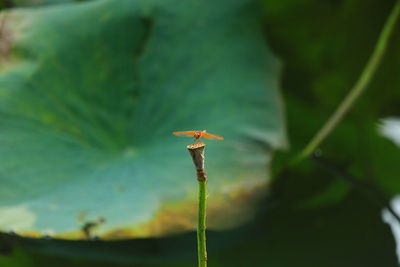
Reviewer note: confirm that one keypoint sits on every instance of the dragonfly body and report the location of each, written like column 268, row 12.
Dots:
column 198, row 134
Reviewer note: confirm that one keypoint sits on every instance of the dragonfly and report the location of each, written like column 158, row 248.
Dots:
column 198, row 134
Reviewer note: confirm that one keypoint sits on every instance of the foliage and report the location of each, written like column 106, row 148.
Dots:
column 87, row 115
column 313, row 215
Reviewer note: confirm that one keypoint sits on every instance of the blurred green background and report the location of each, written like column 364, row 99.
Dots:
column 264, row 74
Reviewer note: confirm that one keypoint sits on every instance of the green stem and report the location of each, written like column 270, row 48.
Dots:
column 360, row 85
column 201, row 225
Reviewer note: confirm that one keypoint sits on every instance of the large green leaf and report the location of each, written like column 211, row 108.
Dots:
column 26, row 3
column 90, row 93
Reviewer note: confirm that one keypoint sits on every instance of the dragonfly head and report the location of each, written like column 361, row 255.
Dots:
column 197, row 134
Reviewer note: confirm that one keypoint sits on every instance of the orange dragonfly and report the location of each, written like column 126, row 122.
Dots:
column 198, row 134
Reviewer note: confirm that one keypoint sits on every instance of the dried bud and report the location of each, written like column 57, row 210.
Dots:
column 196, row 150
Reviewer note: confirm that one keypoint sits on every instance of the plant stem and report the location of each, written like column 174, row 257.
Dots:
column 201, row 224
column 359, row 87
column 196, row 151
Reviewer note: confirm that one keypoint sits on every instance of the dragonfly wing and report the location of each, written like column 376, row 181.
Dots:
column 184, row 133
column 212, row 136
